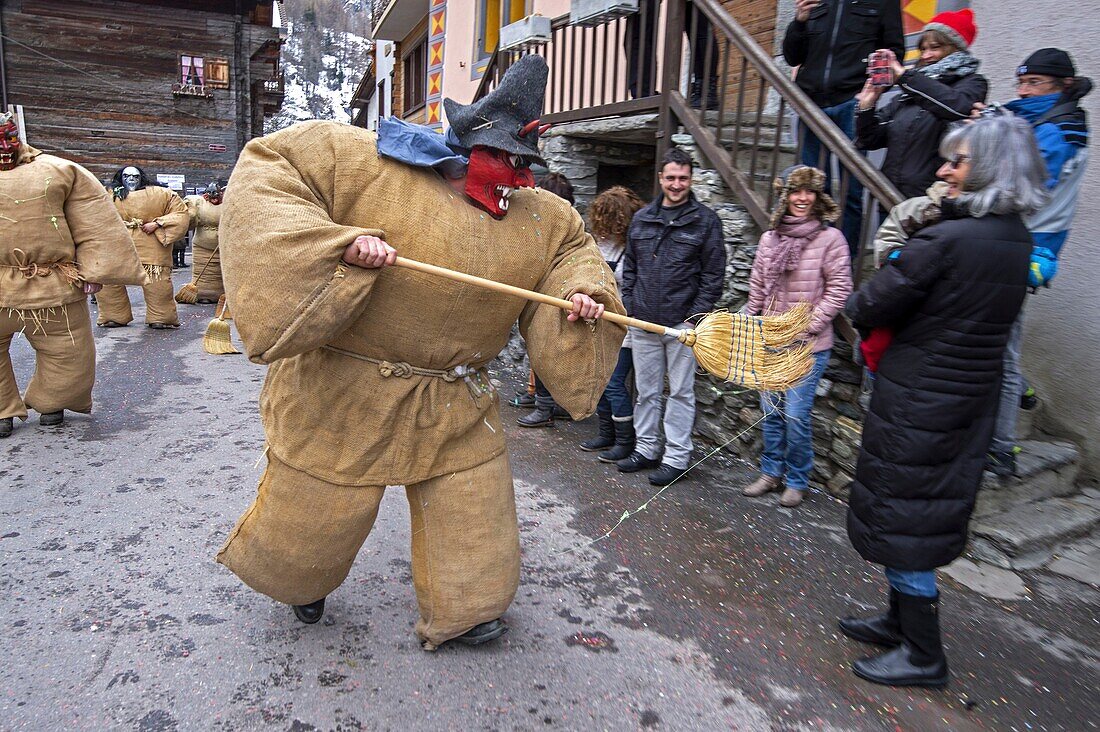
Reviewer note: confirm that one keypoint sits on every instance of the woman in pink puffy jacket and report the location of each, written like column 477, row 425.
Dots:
column 800, row 259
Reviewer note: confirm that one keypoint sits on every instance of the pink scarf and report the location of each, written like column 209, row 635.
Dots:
column 792, row 236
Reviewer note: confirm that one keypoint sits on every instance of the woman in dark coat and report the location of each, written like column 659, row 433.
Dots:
column 939, row 90
column 951, row 296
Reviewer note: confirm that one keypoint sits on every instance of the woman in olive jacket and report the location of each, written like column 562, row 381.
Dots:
column 939, row 90
column 950, row 296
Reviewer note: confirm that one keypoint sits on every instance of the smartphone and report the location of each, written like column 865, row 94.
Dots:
column 878, row 69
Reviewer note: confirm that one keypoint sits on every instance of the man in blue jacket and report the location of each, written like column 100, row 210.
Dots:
column 674, row 267
column 1049, row 94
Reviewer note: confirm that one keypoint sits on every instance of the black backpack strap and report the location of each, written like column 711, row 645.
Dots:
column 1056, row 111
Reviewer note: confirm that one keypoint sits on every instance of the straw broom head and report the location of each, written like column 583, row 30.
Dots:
column 217, row 340
column 754, row 351
column 188, row 294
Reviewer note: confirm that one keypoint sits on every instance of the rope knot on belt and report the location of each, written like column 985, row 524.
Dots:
column 30, row 270
column 134, row 224
column 478, row 382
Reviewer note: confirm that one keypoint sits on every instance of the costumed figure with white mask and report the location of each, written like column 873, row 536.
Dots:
column 61, row 240
column 156, row 217
column 377, row 374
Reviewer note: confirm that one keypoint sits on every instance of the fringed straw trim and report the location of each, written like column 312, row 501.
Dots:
column 40, row 317
column 158, row 272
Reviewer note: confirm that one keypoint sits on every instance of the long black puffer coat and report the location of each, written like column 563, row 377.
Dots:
column 950, row 296
column 912, row 124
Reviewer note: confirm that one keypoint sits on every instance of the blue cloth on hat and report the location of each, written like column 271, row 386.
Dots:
column 420, row 146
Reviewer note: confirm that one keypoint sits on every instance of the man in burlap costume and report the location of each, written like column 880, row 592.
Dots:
column 60, row 238
column 377, row 373
column 206, row 269
column 156, row 217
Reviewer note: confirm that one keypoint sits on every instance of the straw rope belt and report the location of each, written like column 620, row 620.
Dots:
column 30, row 270
column 134, row 224
column 404, row 370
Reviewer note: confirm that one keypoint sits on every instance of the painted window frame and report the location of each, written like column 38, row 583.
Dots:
column 419, row 47
column 482, row 51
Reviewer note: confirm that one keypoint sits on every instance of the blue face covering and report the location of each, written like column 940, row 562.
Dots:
column 1032, row 108
column 420, row 146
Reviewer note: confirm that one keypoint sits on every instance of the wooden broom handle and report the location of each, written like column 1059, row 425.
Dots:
column 528, row 295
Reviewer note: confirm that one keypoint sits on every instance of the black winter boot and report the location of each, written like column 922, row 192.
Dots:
column 311, row 613
column 919, row 660
column 538, row 417
column 52, row 419
column 604, row 439
column 7, row 424
column 884, row 629
column 624, row 442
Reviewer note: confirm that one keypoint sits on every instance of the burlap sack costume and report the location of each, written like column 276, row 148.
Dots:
column 206, row 268
column 58, row 230
column 377, row 376
column 151, row 203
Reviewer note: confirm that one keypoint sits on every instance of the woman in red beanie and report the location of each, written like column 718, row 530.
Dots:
column 939, row 90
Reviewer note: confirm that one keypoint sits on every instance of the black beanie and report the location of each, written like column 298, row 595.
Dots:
column 1048, row 62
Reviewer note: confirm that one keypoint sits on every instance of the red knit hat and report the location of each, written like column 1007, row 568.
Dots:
column 958, row 26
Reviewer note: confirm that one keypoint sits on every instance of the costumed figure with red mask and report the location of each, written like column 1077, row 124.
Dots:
column 206, row 268
column 60, row 240
column 377, row 374
column 156, row 217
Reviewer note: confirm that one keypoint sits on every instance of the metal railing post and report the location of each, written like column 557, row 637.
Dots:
column 670, row 79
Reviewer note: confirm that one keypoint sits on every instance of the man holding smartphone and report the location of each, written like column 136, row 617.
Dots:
column 830, row 41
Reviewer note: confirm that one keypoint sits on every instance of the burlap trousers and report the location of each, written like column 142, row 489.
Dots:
column 206, row 267
column 160, row 305
column 297, row 542
column 64, row 360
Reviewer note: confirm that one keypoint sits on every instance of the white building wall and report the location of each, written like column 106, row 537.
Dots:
column 383, row 64
column 1062, row 324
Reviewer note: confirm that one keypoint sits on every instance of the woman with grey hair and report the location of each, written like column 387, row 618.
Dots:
column 950, row 296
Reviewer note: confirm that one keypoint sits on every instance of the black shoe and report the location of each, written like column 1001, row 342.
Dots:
column 311, row 613
column 604, row 439
column 884, row 629
column 665, row 475
column 537, row 418
column 636, row 461
column 111, row 324
column 919, row 660
column 624, row 442
column 52, row 419
column 482, row 633
column 560, row 413
column 1002, row 464
column 163, row 326
column 523, row 401
column 7, row 424
column 1029, row 399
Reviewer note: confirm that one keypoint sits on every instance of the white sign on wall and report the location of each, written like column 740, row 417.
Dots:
column 175, row 182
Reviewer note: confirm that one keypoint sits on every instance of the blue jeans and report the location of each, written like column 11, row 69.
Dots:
column 788, row 430
column 844, row 116
column 912, row 582
column 616, row 399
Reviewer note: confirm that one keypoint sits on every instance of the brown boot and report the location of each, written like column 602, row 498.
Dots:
column 791, row 498
column 763, row 484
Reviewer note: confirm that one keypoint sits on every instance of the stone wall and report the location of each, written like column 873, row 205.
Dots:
column 730, row 415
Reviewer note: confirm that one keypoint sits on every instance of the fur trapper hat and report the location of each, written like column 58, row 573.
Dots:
column 803, row 177
column 506, row 118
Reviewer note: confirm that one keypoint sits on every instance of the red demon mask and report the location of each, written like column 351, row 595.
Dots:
column 9, row 143
column 493, row 175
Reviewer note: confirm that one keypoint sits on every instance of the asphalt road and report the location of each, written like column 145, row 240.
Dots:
column 705, row 611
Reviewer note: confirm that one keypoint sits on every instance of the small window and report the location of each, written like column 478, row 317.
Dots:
column 217, row 73
column 492, row 16
column 416, row 77
column 191, row 71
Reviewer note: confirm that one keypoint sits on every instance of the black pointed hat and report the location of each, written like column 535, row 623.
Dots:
column 499, row 118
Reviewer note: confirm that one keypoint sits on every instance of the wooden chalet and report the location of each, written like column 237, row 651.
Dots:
column 174, row 86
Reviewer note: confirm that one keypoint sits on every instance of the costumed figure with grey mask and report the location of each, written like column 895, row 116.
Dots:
column 61, row 240
column 377, row 374
column 156, row 217
column 206, row 268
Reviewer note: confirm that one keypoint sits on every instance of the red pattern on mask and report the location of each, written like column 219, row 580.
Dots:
column 491, row 170
column 9, row 146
